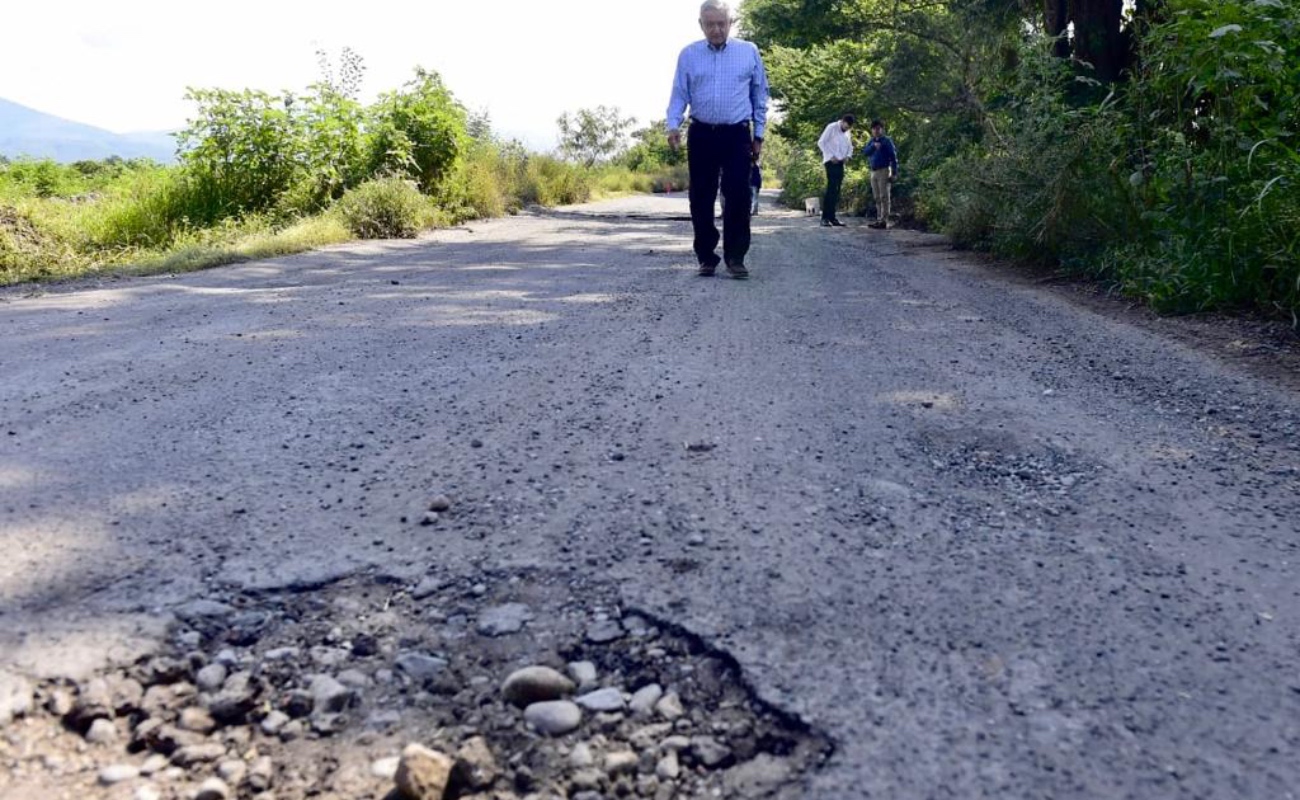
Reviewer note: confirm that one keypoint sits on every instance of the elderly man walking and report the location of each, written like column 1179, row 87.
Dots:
column 723, row 82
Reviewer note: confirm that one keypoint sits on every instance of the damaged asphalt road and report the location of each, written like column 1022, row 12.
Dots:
column 991, row 543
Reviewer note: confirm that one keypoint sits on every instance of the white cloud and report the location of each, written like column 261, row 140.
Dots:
column 125, row 65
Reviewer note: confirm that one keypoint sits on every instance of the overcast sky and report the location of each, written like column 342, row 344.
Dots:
column 124, row 65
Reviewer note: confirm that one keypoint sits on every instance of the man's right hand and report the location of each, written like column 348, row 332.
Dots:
column 674, row 139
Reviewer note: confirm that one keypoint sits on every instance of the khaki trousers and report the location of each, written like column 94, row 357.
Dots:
column 880, row 187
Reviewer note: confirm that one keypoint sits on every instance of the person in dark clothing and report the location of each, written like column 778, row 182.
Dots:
column 883, row 159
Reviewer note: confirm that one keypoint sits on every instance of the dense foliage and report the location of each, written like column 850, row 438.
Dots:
column 1153, row 143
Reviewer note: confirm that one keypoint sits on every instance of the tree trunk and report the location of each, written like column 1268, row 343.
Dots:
column 1099, row 37
column 1056, row 18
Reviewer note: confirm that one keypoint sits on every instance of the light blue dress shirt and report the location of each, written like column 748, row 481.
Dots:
column 722, row 86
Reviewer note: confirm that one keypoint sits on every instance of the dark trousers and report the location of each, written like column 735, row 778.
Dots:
column 834, row 180
column 712, row 151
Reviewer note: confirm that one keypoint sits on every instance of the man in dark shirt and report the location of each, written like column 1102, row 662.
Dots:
column 883, row 159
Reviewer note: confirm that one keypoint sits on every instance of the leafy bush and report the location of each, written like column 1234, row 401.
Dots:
column 386, row 208
column 551, row 182
column 419, row 131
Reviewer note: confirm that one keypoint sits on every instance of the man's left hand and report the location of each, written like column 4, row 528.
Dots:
column 757, row 148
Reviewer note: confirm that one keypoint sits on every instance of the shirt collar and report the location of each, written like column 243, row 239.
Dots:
column 717, row 49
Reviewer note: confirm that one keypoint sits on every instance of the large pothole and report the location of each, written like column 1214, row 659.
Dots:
column 315, row 694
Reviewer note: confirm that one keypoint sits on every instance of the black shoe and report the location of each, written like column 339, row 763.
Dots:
column 877, row 225
column 827, row 224
column 736, row 269
column 707, row 270
column 837, row 223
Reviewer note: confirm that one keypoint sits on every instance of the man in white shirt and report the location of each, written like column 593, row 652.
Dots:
column 836, row 147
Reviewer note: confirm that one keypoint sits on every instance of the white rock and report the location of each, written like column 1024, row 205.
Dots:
column 154, row 764
column 504, row 619
column 644, row 699
column 232, row 771
column 669, row 768
column 213, row 789
column 621, row 762
column 670, row 706
column 15, row 697
column 581, row 757
column 607, row 699
column 102, row 731
column 148, row 792
column 385, row 768
column 118, row 773
column 211, row 678
column 554, row 718
column 584, row 672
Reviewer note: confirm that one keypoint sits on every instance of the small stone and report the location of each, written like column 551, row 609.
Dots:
column 504, row 619
column 621, row 762
column 669, row 768
column 670, row 706
column 475, row 764
column 581, row 757
column 213, row 789
column 232, row 771
column 211, row 678
column 261, row 775
column 331, row 696
column 584, row 672
column 354, row 679
column 440, row 504
column 196, row 719
column 16, row 697
column 674, row 743
column 554, row 718
column 644, row 699
column 238, row 697
column 423, row 774
column 427, row 587
column 274, row 722
column 94, row 701
column 118, row 773
column 194, row 754
column 420, row 667
column 147, row 792
column 60, row 702
column 587, row 780
column 535, row 685
column 329, row 724
column 153, row 764
column 293, row 731
column 282, row 654
column 102, row 731
column 227, row 658
column 605, row 631
column 607, row 699
column 385, row 768
column 710, row 752
column 647, row 737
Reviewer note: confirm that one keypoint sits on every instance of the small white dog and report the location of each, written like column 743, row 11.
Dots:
column 812, row 206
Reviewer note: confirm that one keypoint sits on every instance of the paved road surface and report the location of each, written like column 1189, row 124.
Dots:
column 994, row 543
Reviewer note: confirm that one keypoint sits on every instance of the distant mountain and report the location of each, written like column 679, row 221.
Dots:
column 27, row 132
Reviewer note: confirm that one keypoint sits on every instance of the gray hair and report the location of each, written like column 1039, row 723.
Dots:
column 716, row 5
